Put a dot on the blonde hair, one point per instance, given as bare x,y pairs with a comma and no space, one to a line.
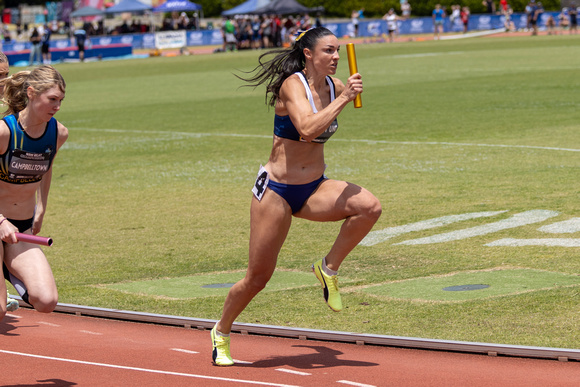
16,86
3,58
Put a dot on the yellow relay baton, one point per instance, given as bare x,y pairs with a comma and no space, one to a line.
353,70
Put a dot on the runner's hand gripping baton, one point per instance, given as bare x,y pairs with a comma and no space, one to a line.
33,239
353,70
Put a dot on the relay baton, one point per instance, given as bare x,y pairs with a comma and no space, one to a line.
353,69
33,239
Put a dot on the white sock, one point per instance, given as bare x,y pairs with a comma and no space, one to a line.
218,333
326,270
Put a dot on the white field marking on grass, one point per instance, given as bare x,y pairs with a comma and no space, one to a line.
426,54
473,34
517,220
144,369
567,226
559,242
354,383
199,135
293,372
12,315
379,236
184,351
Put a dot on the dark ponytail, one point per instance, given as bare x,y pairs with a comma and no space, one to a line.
285,63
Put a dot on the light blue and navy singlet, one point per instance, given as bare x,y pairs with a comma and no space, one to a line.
27,159
283,126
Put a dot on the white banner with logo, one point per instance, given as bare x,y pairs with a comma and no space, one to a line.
170,39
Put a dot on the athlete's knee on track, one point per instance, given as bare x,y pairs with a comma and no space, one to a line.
44,303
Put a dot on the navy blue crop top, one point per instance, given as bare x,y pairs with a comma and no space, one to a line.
27,159
283,126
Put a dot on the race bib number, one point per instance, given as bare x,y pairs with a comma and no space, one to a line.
261,183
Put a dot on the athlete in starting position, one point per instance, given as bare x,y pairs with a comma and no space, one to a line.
29,139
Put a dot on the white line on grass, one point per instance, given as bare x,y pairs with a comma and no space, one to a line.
144,369
473,34
560,242
370,142
379,236
517,220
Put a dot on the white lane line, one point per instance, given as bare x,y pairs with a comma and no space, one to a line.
517,220
355,383
145,369
293,372
91,332
184,350
48,324
199,135
559,242
242,361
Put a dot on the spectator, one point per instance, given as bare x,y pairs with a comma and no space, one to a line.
455,15
503,6
537,11
81,37
229,33
256,33
551,25
564,20
405,9
46,59
573,14
438,16
489,6
529,13
354,20
35,53
508,22
266,31
391,19
465,12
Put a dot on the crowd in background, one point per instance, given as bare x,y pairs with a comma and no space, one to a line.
264,31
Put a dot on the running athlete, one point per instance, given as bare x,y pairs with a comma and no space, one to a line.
307,100
29,139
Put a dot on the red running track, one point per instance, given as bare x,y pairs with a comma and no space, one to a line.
67,350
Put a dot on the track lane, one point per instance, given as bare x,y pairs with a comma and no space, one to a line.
65,350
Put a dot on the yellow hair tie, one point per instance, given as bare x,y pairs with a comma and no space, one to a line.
301,35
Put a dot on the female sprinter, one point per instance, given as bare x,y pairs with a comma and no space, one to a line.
307,101
29,139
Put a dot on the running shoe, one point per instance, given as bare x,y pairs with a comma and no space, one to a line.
221,349
329,286
12,304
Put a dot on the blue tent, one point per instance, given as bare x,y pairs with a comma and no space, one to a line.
128,6
246,8
87,11
282,7
177,5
